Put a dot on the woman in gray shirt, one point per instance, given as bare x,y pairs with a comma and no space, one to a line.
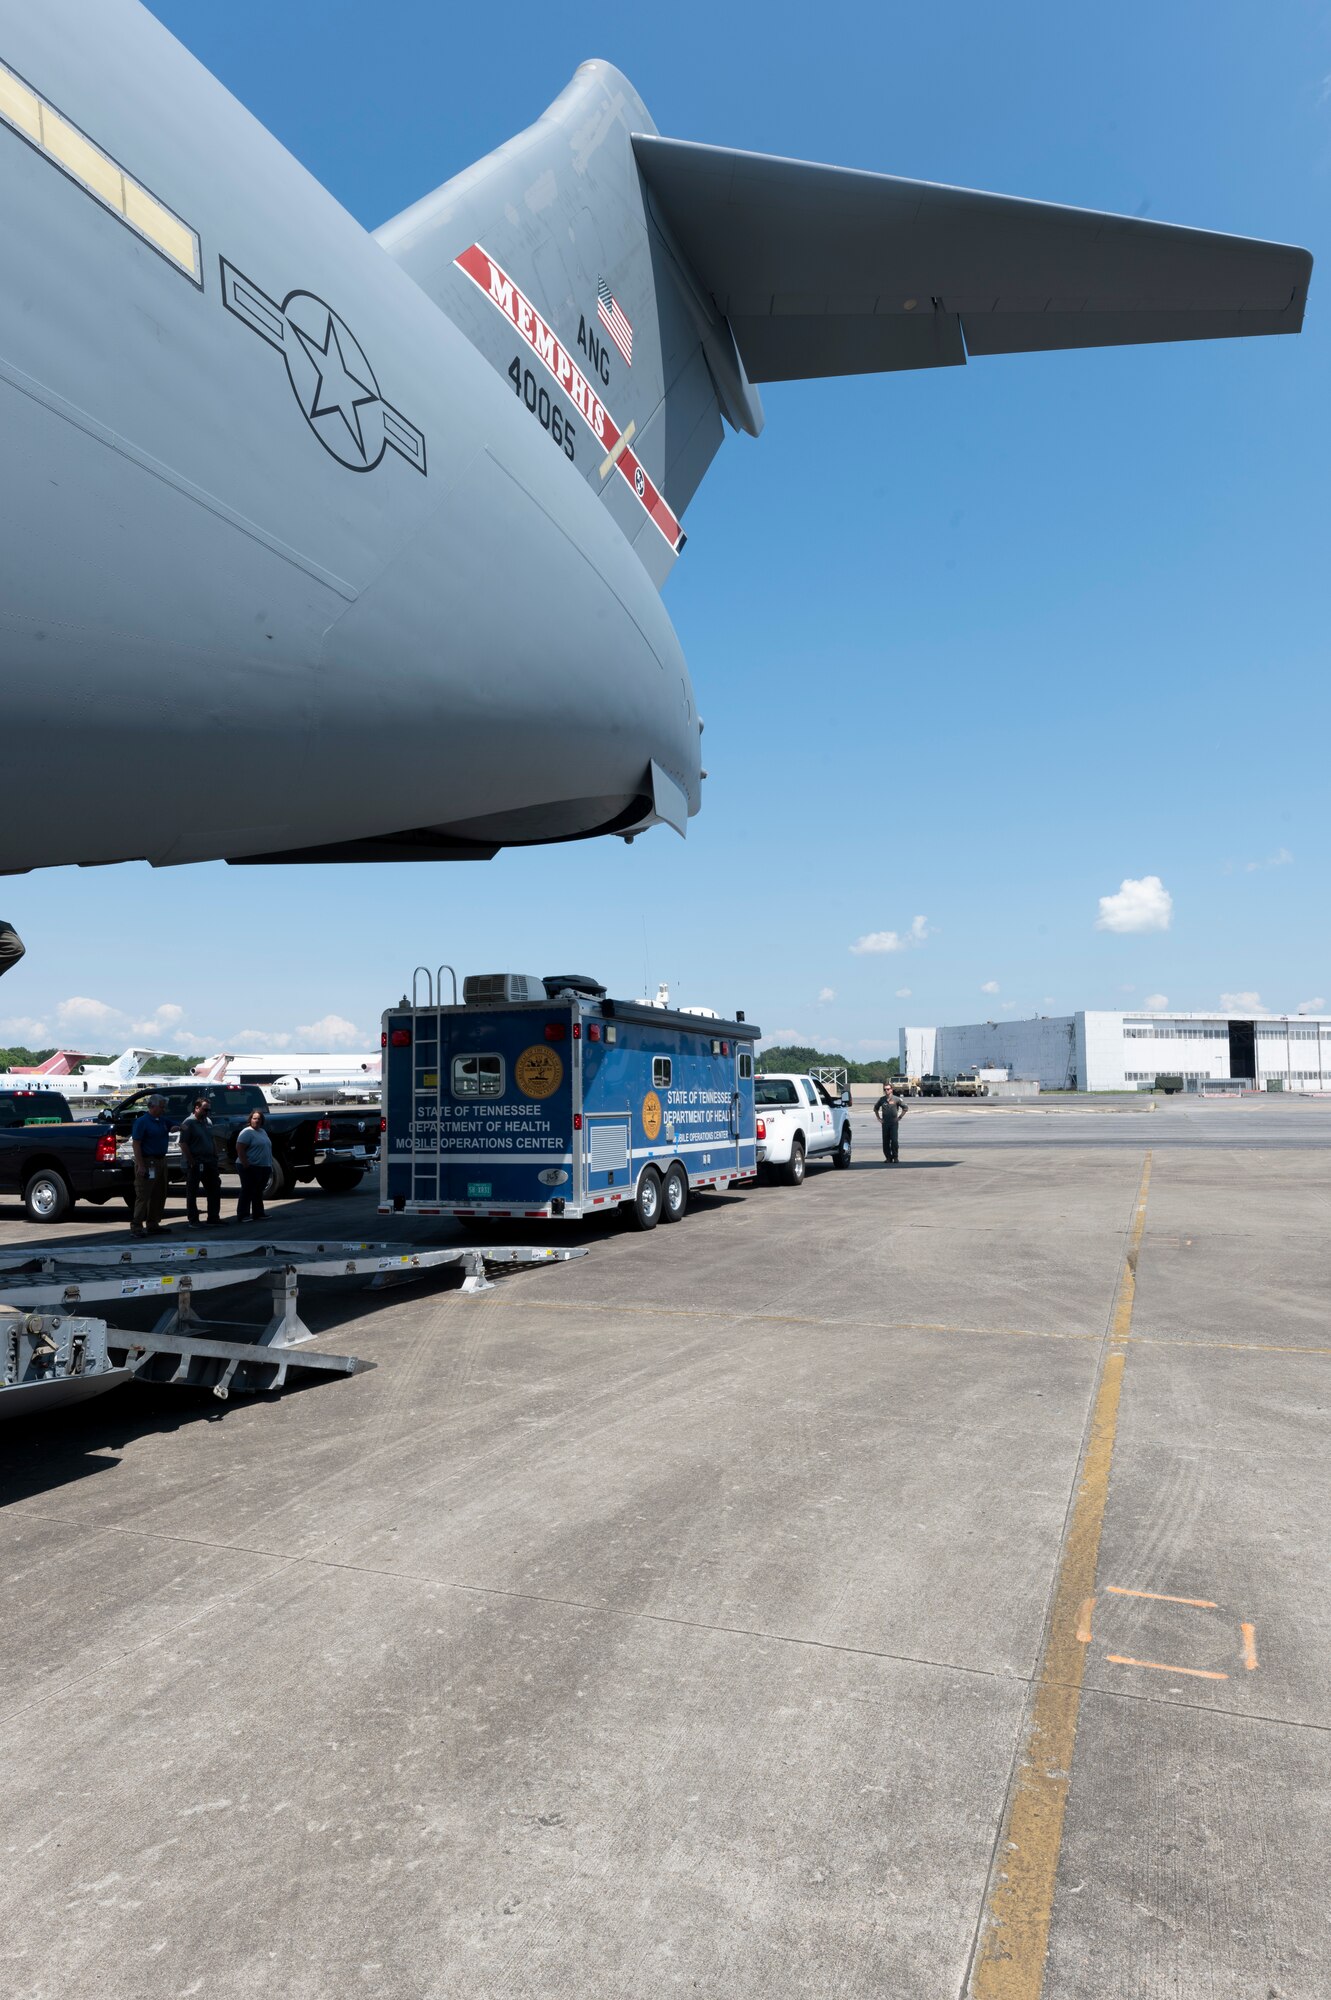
254,1161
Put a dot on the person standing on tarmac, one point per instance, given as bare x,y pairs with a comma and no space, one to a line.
254,1163
149,1138
889,1111
198,1147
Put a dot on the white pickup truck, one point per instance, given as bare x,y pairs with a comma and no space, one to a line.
799,1120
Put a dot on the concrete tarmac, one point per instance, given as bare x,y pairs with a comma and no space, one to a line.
914,1584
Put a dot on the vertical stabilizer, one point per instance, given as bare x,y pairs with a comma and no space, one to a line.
549,258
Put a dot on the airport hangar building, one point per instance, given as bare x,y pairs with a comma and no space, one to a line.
1102,1051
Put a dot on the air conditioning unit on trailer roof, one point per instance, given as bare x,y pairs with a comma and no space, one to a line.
484,989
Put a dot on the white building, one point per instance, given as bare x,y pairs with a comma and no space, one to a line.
1102,1051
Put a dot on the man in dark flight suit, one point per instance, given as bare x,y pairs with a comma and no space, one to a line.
11,947
889,1112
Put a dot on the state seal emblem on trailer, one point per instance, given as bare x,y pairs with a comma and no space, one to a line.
538,1072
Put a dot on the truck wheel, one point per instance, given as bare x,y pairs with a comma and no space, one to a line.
339,1179
793,1171
279,1180
675,1194
841,1157
644,1211
47,1198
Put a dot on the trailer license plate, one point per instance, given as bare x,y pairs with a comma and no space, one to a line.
479,1190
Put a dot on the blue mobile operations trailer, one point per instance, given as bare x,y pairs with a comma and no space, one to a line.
543,1097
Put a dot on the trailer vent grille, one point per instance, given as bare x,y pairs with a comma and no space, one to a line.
484,989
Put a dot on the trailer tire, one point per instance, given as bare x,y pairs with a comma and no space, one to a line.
644,1211
47,1196
339,1179
793,1171
841,1157
675,1195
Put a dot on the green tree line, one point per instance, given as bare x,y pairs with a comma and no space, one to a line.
798,1058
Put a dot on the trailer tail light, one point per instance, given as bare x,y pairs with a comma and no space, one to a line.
106,1150
725,1048
593,1031
383,1038
383,1126
577,1121
577,1036
401,1038
762,1128
323,1132
555,1031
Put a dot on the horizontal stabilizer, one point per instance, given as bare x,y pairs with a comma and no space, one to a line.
826,271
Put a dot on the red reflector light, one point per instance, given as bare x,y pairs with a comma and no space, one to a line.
383,1124
401,1038
383,1038
593,1031
555,1031
106,1150
323,1132
725,1048
762,1128
577,1036
577,1121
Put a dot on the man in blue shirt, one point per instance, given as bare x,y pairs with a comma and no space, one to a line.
150,1137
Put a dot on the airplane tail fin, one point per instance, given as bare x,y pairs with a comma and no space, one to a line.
213,1070
633,288
60,1064
548,257
128,1065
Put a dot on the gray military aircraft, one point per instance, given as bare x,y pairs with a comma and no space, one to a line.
349,546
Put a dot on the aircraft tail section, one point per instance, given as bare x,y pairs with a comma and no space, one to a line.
548,257
633,288
60,1064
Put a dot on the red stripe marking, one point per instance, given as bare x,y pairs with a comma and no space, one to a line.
521,314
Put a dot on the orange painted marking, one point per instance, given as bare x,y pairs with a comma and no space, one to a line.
1163,1597
1160,1666
1084,1620
1249,1645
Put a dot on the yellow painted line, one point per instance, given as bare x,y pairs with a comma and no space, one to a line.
1249,1645
1014,1940
1198,1673
1162,1597
1221,1346
786,1319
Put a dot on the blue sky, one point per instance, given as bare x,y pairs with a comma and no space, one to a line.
974,646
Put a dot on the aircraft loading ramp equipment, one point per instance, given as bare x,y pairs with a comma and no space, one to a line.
53,1354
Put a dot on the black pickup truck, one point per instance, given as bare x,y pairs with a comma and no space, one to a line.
336,1147
52,1160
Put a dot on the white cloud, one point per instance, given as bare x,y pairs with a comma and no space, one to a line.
881,941
990,986
334,1031
162,1021
1142,905
257,1038
873,1048
1155,1003
1313,1006
1280,859
1009,1006
903,993
81,1012
1241,1003
28,1033
1048,1000
826,994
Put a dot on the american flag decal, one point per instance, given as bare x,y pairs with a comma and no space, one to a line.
612,318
